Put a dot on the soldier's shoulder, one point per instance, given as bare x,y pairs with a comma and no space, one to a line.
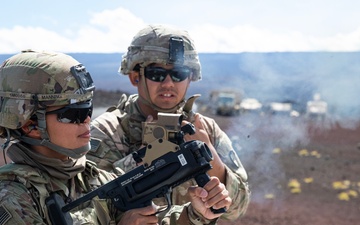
210,122
16,204
18,169
207,118
105,118
23,173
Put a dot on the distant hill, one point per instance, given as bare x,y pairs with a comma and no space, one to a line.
286,76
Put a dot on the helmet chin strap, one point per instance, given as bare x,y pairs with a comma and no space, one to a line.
45,141
73,153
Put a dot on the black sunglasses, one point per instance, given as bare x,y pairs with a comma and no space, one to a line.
74,113
158,74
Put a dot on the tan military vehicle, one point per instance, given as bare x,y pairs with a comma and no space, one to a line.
225,103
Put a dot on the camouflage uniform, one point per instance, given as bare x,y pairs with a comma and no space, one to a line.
121,133
30,82
24,188
120,128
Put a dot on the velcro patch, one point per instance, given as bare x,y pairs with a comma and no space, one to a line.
95,143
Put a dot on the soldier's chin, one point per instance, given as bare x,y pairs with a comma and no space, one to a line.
166,105
167,108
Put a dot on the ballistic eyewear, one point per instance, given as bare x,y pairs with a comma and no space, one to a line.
74,113
158,74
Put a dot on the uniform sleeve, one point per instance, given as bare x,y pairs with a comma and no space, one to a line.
240,194
107,146
184,214
16,205
236,176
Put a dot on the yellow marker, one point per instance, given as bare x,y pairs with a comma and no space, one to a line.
308,180
293,183
303,152
341,185
269,196
276,151
343,196
315,154
352,193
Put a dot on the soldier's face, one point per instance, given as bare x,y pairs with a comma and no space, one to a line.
67,135
167,93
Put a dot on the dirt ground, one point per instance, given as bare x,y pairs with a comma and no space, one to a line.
300,171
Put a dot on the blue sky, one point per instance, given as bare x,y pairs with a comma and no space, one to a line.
216,26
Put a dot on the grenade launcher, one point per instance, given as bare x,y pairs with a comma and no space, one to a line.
167,161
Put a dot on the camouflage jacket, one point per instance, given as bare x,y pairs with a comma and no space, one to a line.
120,132
24,189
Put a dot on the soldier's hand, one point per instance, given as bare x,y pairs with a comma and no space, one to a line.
214,194
202,135
140,216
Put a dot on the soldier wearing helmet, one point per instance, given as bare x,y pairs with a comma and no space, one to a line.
45,111
161,61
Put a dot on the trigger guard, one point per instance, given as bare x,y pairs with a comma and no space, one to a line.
167,195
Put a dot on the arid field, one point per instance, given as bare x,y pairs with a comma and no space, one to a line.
312,178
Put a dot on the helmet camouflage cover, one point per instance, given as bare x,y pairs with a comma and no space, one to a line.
32,80
157,44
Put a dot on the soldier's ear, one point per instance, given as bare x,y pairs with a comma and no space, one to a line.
134,78
30,129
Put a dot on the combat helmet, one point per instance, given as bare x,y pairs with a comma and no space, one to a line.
164,45
31,81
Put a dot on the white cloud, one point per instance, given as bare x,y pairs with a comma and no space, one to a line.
18,38
247,38
112,31
341,42
107,31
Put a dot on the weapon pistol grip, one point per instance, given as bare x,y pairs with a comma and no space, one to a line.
201,180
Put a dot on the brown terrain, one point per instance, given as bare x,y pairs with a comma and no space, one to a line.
300,171
294,182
